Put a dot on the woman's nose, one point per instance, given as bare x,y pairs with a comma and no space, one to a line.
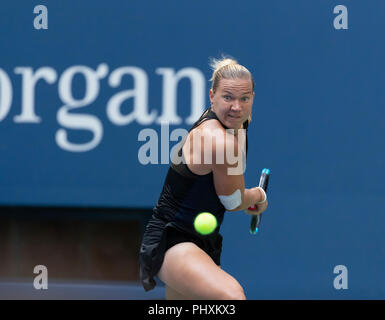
236,105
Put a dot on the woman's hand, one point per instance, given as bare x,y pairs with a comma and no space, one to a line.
259,209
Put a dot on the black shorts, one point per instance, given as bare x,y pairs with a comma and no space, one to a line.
159,237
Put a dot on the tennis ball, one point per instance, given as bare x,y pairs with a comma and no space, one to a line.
205,223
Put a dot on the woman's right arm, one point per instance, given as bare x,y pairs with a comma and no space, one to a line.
230,187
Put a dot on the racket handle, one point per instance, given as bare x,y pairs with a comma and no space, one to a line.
256,219
254,224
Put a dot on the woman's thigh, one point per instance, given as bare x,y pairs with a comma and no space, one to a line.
190,271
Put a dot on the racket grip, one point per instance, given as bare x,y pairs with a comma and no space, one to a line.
254,225
256,219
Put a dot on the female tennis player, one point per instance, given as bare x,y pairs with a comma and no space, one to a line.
187,262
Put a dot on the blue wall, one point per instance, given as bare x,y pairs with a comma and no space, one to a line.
318,124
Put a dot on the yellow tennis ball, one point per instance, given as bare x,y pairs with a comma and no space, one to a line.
205,223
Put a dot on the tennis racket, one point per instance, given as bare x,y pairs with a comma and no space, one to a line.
256,219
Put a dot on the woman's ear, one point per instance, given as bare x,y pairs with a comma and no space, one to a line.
211,95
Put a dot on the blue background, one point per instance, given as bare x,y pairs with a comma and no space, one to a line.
318,124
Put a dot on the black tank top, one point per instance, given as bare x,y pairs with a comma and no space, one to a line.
185,194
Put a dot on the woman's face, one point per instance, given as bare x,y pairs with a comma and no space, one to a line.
232,101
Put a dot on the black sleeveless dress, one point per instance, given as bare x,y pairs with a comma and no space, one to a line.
184,195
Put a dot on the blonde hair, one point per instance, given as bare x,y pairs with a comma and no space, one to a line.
228,68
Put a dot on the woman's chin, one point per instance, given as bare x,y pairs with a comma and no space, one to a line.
234,123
